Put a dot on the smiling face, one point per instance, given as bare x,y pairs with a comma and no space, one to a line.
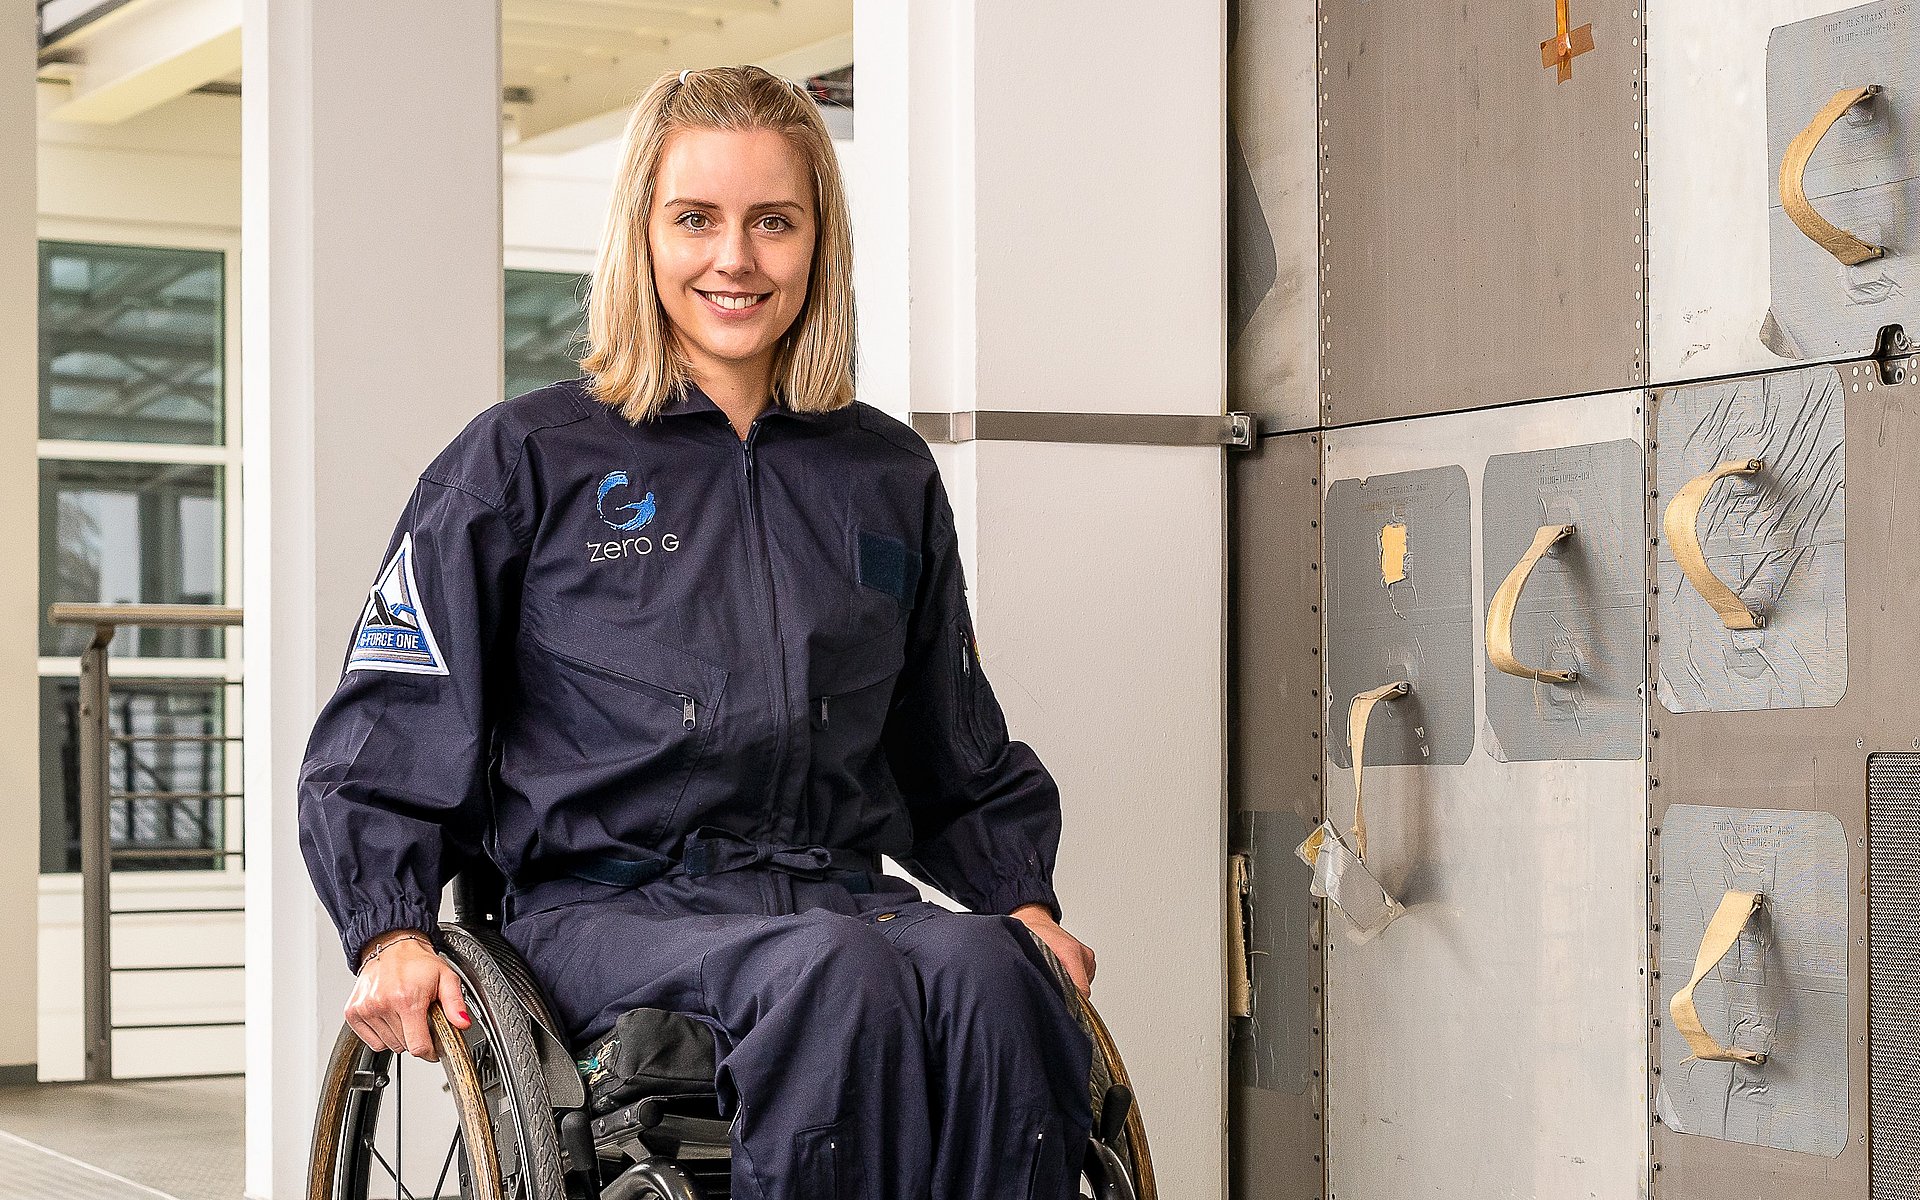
731,232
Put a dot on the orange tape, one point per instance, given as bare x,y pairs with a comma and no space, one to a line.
1565,45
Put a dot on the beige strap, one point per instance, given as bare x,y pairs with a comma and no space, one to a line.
1500,612
1736,909
1358,713
1682,526
1566,44
1239,970
1793,181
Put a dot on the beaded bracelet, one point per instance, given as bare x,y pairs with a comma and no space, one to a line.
382,948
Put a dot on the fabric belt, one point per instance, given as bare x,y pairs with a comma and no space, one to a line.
705,851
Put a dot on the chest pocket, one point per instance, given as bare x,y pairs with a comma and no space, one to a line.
851,691
613,715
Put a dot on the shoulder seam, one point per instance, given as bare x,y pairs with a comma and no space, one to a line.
913,444
496,507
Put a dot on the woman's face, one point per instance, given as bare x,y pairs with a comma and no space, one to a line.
732,233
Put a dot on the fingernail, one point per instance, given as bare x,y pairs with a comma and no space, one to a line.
464,1018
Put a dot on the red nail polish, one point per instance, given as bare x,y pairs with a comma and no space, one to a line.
464,1017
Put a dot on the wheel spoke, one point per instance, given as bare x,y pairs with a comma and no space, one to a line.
453,1148
398,1183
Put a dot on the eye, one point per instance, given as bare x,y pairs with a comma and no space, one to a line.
782,227
696,215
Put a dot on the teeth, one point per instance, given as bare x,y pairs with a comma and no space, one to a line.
733,302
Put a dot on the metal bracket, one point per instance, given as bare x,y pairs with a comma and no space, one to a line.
1893,352
1238,430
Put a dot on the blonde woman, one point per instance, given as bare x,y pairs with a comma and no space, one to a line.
684,648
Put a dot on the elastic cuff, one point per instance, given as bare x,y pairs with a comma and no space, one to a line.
371,922
1024,892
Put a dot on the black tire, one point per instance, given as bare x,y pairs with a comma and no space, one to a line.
507,1145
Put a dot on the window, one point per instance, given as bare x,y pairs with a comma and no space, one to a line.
139,505
546,321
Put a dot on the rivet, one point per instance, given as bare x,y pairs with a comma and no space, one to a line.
886,916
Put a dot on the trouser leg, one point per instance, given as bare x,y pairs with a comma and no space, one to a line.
1008,1064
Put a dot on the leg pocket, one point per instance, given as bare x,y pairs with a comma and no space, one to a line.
1052,1173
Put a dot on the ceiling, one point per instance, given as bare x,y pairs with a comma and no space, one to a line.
569,67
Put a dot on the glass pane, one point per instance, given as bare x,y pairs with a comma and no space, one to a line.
131,343
131,533
163,786
546,313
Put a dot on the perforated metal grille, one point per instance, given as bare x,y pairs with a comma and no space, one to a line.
1893,917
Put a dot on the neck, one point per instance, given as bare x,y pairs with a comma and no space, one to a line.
742,390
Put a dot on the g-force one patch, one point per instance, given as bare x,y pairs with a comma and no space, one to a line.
394,634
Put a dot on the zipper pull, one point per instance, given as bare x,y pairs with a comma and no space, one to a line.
823,712
686,711
966,665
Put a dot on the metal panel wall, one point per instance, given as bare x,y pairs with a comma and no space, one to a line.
1481,233
1807,760
1491,1041
1272,214
1274,785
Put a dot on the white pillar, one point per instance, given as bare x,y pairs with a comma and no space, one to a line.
1065,213
372,326
20,596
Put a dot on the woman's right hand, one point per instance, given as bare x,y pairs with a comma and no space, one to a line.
400,978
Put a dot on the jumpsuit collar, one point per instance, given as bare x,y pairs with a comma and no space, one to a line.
690,398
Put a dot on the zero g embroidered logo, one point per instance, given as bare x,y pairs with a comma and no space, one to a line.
642,512
394,634
630,518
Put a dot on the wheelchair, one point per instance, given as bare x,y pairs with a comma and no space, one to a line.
528,1119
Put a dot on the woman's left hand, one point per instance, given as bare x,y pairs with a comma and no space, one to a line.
1073,955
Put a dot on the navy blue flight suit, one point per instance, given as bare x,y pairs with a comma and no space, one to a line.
683,689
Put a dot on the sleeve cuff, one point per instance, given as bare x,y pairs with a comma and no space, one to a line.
371,922
1017,895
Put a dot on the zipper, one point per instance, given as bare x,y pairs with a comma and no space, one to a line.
773,621
823,711
688,709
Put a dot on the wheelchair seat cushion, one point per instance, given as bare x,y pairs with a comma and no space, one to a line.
651,1052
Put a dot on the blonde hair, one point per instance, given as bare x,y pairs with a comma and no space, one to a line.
631,363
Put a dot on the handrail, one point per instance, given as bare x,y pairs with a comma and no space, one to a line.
96,851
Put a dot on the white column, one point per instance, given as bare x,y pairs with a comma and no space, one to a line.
20,596
372,327
1065,213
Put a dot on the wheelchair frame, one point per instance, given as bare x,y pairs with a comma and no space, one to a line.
525,1128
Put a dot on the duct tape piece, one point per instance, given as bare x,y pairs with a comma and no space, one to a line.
1340,872
1580,612
1843,97
1275,1049
1418,627
1774,986
1776,538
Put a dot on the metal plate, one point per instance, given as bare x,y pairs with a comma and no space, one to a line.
1708,189
1481,220
1812,759
1781,990
1272,214
1274,784
1864,177
1778,538
1583,608
1415,626
1492,1041
1893,1026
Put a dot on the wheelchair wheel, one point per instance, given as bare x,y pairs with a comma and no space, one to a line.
487,1134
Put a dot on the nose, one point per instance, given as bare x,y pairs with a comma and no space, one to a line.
735,255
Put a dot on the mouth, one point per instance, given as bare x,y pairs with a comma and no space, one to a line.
734,304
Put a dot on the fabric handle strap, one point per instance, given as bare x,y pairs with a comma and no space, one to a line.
1500,612
1358,713
1793,181
1736,909
1682,527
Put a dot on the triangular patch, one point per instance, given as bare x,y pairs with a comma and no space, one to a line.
394,634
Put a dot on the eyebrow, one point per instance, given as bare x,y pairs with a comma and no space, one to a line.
750,208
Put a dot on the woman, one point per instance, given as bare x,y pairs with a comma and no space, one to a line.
684,648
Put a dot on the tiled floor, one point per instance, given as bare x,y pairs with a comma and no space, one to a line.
177,1139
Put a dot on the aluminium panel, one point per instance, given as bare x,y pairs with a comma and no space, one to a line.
1893,1027
1810,760
1481,218
1492,1040
1273,782
1712,185
1273,362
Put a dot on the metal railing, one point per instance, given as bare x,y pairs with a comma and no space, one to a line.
97,852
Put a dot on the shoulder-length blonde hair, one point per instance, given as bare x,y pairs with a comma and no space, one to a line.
631,363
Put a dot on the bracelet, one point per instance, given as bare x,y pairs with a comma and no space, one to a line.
382,948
